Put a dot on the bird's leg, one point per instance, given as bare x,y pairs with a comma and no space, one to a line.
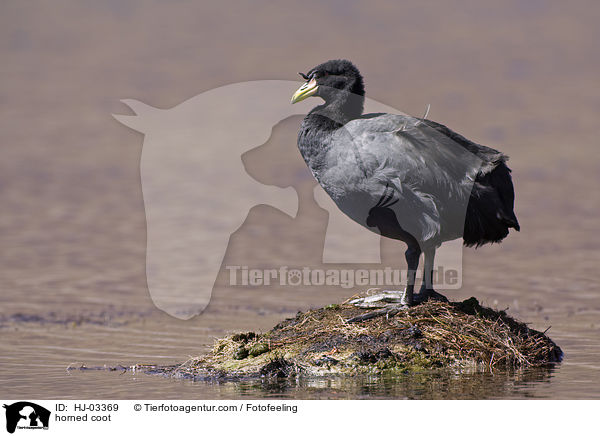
412,260
427,292
428,260
391,302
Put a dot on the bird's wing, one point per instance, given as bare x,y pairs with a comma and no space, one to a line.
422,157
489,156
430,173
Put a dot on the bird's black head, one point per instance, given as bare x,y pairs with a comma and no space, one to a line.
335,81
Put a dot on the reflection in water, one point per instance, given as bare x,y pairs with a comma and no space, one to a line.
432,385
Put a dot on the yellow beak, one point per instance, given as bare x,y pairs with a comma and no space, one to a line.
305,91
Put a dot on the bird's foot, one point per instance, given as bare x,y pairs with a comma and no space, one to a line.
387,303
382,299
387,311
428,294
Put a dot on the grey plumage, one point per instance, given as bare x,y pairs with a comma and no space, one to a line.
405,178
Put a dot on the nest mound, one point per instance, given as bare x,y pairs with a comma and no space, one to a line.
324,342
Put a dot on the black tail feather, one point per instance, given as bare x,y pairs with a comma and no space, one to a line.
490,212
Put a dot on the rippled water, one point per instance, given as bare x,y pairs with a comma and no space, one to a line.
72,226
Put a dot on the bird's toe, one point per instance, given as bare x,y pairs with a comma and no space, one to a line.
382,299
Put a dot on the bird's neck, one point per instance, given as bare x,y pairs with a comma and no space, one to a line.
343,107
322,122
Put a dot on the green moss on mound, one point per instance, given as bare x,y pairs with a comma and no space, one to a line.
323,342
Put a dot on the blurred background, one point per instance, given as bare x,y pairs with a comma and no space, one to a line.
520,76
